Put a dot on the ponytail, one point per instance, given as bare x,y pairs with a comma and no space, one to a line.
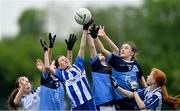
11,104
174,101
160,78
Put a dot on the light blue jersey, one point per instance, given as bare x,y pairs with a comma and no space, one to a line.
124,72
102,87
77,86
52,93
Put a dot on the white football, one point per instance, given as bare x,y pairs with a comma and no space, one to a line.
82,16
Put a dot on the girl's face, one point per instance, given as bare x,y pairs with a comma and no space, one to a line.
126,52
25,81
150,79
63,62
101,57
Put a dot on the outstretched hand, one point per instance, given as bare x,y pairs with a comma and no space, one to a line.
134,85
101,32
86,26
94,31
113,81
70,43
43,44
22,83
39,65
51,40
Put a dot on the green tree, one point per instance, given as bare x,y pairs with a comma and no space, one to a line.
32,22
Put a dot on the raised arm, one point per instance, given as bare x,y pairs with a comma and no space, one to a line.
51,45
70,43
83,44
101,48
92,47
17,99
99,45
83,38
102,34
143,82
46,57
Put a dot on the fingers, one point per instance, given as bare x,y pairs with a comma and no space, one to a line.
41,41
66,41
54,37
39,61
102,27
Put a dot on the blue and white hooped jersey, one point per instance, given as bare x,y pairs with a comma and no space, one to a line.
124,72
152,100
52,93
77,86
102,87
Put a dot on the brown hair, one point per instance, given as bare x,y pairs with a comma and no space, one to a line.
160,78
56,61
133,48
11,104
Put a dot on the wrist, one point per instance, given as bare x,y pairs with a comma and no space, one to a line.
104,36
134,90
116,86
84,30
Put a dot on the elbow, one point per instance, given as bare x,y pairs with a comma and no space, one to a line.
82,47
142,107
47,67
16,103
130,96
102,50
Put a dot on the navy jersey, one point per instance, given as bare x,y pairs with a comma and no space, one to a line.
77,86
52,93
124,71
102,87
152,100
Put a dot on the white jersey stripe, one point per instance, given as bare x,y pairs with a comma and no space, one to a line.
85,89
78,93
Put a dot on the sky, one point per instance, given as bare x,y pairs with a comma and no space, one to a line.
10,10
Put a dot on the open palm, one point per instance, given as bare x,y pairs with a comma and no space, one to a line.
101,32
39,64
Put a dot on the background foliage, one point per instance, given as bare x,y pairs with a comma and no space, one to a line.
154,27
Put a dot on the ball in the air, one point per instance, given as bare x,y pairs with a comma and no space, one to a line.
82,16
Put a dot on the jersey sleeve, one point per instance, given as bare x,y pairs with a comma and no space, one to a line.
109,58
38,90
141,93
95,64
152,102
79,62
31,102
58,73
114,61
27,103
